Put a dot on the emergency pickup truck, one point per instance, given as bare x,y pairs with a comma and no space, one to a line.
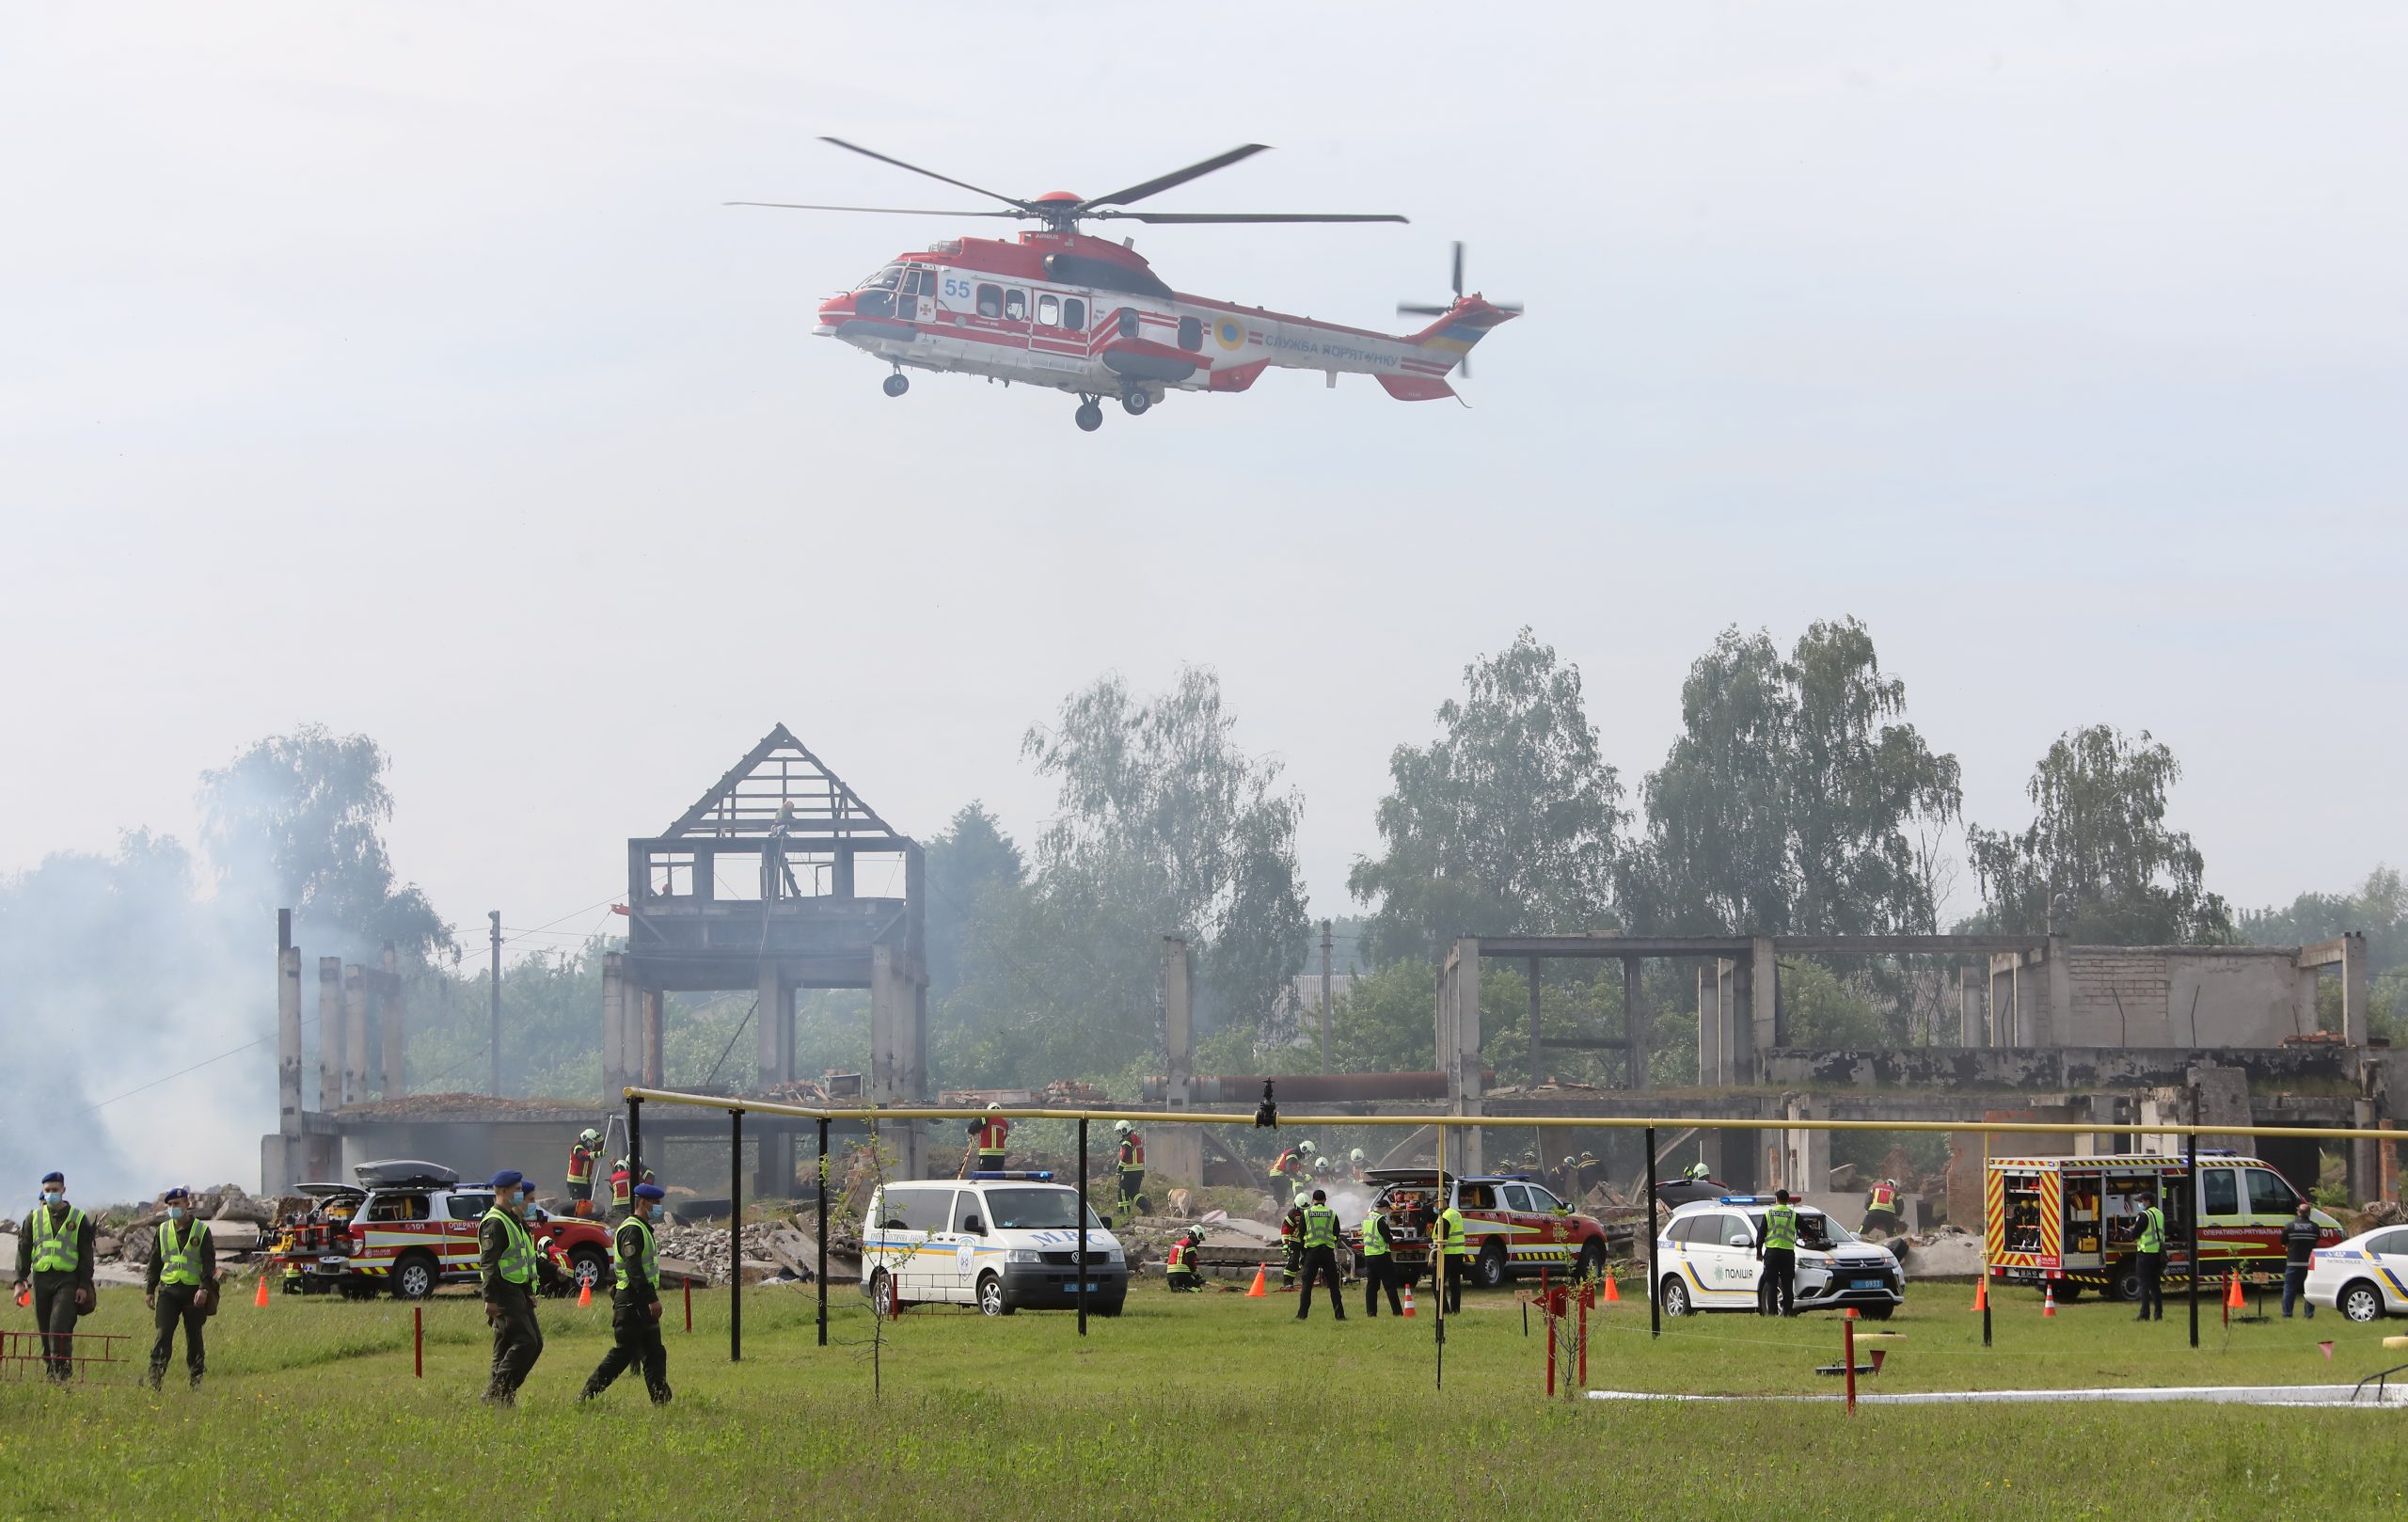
2072,1222
411,1227
1515,1227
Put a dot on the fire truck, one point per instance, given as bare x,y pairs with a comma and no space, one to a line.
2072,1222
410,1227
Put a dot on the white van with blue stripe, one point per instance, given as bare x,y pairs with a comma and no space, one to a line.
1001,1241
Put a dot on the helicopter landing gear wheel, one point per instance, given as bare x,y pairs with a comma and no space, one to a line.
1134,401
1089,416
898,384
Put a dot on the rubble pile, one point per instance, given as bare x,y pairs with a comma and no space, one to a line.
774,1252
472,1107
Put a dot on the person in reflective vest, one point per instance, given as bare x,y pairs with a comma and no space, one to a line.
1777,1250
55,1252
1379,1263
1132,1166
2148,1250
1881,1208
581,1155
1321,1255
1455,1256
635,1307
990,1137
1292,1244
506,1265
623,1185
1181,1272
180,1287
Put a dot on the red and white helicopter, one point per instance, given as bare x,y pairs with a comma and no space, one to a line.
1089,316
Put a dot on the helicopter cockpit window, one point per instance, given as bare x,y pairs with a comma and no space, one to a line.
1074,315
1015,306
885,279
1049,311
991,301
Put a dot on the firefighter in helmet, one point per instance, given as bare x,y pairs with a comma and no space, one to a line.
581,1155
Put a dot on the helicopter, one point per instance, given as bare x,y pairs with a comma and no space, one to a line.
1060,308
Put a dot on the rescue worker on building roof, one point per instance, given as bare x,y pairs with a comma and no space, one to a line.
2148,1257
1182,1272
990,1137
635,1307
506,1265
581,1155
1881,1208
1321,1255
180,1286
1379,1263
1777,1250
1133,1167
55,1253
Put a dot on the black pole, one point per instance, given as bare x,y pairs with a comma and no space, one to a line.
1082,1226
2191,1199
635,1141
736,1236
1654,1254
823,1230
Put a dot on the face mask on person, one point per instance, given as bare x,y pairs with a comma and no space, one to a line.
175,1213
54,1196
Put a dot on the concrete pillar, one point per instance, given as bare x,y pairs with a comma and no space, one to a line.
614,1017
1709,1023
1970,1011
2367,1178
1738,1023
1538,1042
330,1033
766,1018
2304,1000
1176,1152
2353,987
898,1042
1763,1011
1461,1057
1637,1021
2055,1014
287,1041
354,1034
655,1039
390,1021
1805,1155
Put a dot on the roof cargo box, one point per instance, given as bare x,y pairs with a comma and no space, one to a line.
403,1173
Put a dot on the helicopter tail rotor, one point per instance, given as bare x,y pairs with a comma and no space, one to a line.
1461,323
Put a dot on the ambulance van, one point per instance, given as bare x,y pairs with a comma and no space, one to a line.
1001,1241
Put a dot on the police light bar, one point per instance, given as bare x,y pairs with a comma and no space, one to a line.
1040,1175
1745,1200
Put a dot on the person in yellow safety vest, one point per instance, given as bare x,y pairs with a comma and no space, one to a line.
55,1251
2148,1247
581,1155
1133,1167
180,1287
989,1140
1777,1250
1182,1273
635,1308
1379,1263
1881,1208
1292,1244
506,1263
1321,1255
1454,1254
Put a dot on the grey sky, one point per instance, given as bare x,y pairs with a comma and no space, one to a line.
397,367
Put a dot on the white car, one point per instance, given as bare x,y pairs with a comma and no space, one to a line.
1708,1248
2365,1278
998,1241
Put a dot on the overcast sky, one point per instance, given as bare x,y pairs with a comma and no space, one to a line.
399,368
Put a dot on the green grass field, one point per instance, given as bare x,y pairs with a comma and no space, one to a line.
1210,1404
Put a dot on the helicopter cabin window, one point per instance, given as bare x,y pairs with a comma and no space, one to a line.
1015,306
1191,332
1049,311
1128,322
1074,315
991,301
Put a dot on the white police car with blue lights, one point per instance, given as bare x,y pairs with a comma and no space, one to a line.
1707,1252
2365,1278
1001,1241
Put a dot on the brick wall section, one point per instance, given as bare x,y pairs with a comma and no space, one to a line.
2101,975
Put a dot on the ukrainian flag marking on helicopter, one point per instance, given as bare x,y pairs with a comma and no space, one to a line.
1229,333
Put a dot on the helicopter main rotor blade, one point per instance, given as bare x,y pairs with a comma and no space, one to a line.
1176,177
957,185
1251,216
889,211
1412,309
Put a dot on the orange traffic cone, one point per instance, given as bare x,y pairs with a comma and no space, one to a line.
1408,1302
2049,1300
1256,1292
584,1293
1981,1294
2232,1292
260,1298
1613,1296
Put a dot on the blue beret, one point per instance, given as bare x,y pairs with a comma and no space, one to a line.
175,1192
54,1176
651,1191
507,1178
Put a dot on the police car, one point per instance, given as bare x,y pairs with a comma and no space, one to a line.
1708,1252
2365,1278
